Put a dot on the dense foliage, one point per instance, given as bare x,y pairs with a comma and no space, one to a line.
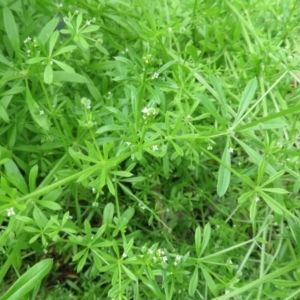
149,149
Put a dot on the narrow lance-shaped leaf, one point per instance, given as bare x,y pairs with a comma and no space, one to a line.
28,280
256,157
193,283
221,96
247,96
206,237
40,119
209,280
224,172
198,240
11,29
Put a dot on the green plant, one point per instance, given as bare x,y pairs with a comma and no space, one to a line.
149,148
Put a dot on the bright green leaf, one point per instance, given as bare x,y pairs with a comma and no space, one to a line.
28,280
193,282
11,29
224,173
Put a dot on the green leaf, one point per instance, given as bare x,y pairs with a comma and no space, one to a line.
34,60
273,177
270,124
198,237
3,113
166,66
244,197
48,74
87,229
34,110
128,247
253,210
247,96
64,50
210,282
206,237
28,280
82,262
193,283
208,104
83,43
221,96
15,177
261,171
292,110
193,52
178,149
112,128
129,273
90,28
64,66
52,42
39,217
127,215
256,157
49,204
275,191
273,204
108,213
47,30
78,21
53,195
32,177
224,173
121,173
4,61
62,76
110,185
11,29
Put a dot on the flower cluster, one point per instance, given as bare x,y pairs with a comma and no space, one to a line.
86,102
155,75
147,59
10,212
148,112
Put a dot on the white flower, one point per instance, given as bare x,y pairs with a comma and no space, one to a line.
93,190
189,117
124,255
170,29
10,212
128,143
150,251
160,252
42,112
95,204
88,23
257,199
86,102
165,258
27,39
230,150
154,148
209,147
145,110
155,75
178,258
